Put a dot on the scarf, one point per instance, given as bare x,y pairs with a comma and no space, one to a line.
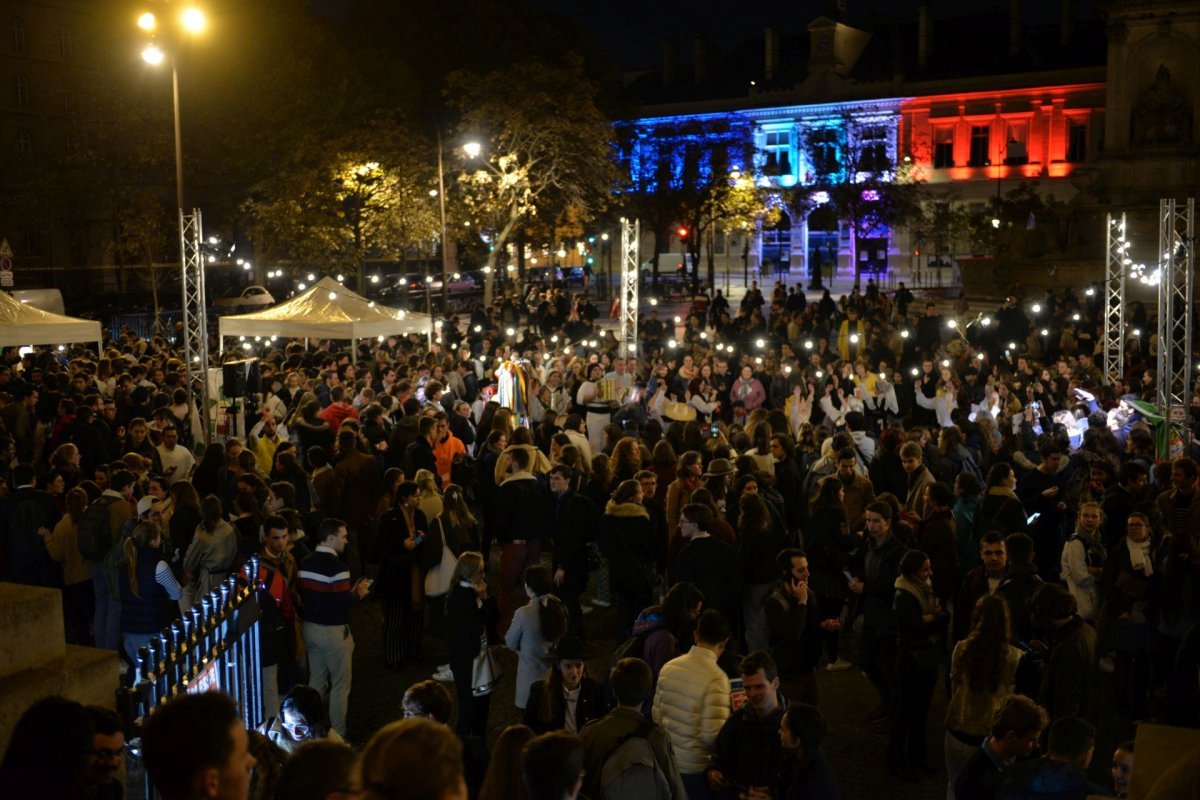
922,591
1003,491
1139,556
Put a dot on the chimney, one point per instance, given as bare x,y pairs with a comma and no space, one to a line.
670,62
1014,27
1066,23
924,34
770,53
699,59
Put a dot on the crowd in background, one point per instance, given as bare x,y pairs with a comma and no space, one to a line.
948,501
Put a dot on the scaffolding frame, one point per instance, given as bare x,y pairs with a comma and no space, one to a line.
1116,265
1176,237
195,318
630,239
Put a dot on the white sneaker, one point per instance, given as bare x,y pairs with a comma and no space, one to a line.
444,675
584,608
838,666
1107,665
596,601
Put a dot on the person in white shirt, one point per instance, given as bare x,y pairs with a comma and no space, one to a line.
1082,561
177,462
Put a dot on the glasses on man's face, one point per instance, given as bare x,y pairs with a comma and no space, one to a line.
299,729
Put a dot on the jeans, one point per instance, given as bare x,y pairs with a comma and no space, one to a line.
697,786
878,660
330,651
107,622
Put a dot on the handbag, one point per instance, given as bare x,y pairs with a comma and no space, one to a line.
485,671
438,578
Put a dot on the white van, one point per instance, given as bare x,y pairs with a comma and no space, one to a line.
46,299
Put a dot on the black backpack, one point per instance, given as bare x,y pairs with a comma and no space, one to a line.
93,531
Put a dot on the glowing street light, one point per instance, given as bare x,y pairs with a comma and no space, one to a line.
193,20
147,22
152,55
472,149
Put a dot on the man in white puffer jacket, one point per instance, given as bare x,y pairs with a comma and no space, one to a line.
692,701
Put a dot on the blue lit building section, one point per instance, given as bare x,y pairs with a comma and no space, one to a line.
790,147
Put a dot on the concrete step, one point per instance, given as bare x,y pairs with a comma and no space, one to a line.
31,628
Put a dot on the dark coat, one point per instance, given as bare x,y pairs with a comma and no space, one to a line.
794,632
631,544
712,566
878,568
590,706
522,509
748,751
468,622
25,511
358,481
1069,676
419,455
937,538
1018,586
574,527
396,562
979,778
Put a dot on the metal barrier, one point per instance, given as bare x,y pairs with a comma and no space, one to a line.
212,647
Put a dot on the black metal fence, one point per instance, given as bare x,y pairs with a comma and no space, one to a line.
212,647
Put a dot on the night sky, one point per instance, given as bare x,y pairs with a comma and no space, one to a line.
630,30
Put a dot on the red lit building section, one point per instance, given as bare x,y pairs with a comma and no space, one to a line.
1014,134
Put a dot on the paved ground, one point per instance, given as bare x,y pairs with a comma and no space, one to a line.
846,698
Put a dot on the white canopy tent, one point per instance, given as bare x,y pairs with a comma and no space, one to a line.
328,310
23,324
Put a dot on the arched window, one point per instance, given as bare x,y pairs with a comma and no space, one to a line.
18,35
21,85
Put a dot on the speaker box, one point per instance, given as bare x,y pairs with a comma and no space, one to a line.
241,378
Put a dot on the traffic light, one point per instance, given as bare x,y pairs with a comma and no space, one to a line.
683,232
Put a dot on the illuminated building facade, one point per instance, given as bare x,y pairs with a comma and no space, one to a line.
1094,115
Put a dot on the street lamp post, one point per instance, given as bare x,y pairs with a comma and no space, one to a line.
472,150
191,257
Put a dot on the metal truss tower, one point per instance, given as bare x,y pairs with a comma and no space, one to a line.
195,318
630,239
1116,265
1176,238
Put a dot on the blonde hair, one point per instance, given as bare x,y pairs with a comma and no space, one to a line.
468,566
426,483
143,534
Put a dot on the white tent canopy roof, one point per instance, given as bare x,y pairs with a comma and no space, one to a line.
22,324
328,310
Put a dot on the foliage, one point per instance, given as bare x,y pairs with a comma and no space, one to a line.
546,150
699,173
364,194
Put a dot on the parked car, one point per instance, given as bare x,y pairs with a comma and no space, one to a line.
251,296
410,287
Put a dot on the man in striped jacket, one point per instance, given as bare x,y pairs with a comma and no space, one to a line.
327,594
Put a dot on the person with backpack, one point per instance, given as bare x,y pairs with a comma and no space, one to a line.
625,755
1000,509
98,534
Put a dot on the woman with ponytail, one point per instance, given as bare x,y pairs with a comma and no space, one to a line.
147,588
534,630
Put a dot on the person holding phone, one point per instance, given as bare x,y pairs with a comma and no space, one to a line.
401,555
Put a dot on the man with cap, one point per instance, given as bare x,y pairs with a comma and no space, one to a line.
566,699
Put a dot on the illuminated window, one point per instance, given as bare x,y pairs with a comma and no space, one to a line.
1017,149
18,35
824,147
943,148
1076,141
980,142
778,151
873,149
21,85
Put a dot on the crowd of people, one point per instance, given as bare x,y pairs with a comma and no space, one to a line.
946,501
